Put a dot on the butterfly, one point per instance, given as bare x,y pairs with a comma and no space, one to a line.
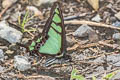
52,41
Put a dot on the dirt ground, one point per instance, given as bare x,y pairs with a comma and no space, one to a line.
96,53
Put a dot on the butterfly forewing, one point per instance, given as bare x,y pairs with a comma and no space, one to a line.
53,36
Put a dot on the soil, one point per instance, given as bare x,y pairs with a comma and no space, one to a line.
96,57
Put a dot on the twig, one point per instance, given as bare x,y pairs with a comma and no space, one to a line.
109,45
85,62
98,56
3,11
81,46
95,24
40,77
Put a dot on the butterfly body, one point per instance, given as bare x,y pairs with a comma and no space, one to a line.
53,40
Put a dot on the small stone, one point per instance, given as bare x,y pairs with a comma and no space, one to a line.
100,60
8,33
116,36
117,15
80,57
100,68
96,18
82,31
69,41
35,11
86,31
117,24
7,3
114,59
1,68
93,37
1,55
21,63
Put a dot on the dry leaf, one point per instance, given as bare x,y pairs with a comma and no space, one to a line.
94,4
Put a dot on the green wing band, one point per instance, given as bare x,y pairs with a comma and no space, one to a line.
56,10
56,18
53,44
58,28
31,47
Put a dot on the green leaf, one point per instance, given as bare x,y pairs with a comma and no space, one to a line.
75,76
111,75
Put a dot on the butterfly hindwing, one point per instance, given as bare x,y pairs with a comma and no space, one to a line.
52,41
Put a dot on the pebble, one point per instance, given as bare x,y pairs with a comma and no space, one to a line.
82,31
70,41
21,63
96,18
100,60
117,24
1,68
116,36
117,15
93,37
1,55
114,59
35,11
7,3
8,33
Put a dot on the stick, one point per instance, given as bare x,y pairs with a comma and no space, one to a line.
3,11
95,24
